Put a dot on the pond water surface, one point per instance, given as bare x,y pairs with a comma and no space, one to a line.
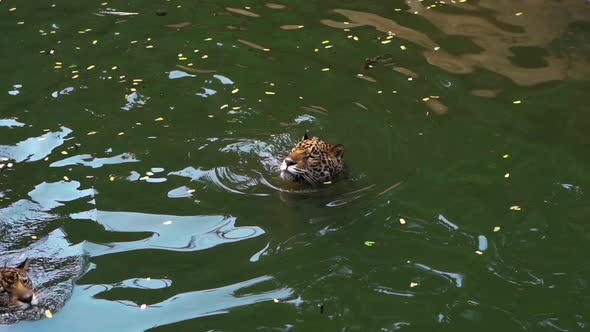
140,141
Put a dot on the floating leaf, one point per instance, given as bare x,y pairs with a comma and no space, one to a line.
497,229
159,119
369,243
235,90
402,221
516,102
413,284
178,25
241,12
505,156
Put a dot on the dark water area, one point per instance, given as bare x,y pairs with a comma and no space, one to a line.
140,144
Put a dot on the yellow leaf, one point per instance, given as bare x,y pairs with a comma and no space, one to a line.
235,90
48,314
159,119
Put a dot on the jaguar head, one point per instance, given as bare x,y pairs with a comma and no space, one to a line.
16,283
313,161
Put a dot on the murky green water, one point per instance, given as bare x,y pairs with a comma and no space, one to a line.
140,156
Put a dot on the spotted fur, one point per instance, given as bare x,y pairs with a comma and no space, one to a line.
15,283
313,161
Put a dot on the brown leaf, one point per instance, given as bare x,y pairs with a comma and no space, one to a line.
179,25
196,70
241,12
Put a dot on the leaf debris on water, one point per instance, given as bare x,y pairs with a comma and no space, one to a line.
159,119
413,284
111,178
507,175
269,92
403,47
92,133
479,252
497,229
369,243
325,69
235,90
402,221
515,208
505,156
48,313
516,102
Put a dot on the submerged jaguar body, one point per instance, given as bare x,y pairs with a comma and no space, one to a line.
15,282
313,161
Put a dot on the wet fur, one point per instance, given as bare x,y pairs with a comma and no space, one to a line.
16,285
313,161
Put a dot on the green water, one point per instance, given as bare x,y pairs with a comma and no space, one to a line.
144,185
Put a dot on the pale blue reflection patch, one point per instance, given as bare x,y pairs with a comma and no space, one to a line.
168,232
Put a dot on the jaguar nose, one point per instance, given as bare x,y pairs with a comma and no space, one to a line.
26,299
290,162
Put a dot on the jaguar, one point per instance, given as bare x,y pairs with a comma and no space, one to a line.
15,282
313,161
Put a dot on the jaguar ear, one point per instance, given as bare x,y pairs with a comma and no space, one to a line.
338,150
306,136
24,265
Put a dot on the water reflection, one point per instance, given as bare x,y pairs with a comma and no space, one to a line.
35,148
168,232
85,312
511,25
